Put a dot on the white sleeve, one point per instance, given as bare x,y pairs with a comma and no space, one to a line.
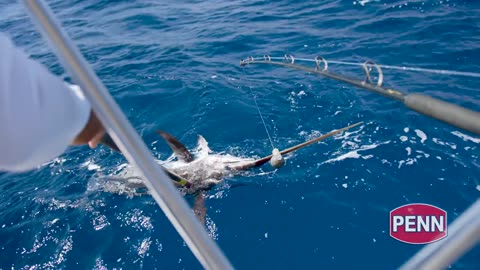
40,114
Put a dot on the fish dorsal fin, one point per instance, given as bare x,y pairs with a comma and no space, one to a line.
177,147
203,148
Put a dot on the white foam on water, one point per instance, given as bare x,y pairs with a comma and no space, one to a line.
421,134
100,265
342,136
54,162
364,2
426,155
293,101
439,142
409,161
354,134
465,137
122,166
144,246
400,163
354,153
91,166
100,222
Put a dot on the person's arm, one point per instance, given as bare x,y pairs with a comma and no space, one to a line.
40,114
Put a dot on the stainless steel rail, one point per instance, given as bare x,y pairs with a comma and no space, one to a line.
132,146
463,234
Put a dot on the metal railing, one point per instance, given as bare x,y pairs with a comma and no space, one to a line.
160,186
464,232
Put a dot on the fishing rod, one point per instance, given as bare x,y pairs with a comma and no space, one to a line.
444,111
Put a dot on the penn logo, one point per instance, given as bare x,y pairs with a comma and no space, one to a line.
418,223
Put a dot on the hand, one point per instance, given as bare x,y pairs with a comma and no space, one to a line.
92,133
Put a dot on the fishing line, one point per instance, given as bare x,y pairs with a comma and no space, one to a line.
427,70
261,115
404,68
276,159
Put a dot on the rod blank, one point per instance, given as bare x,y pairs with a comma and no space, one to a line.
444,111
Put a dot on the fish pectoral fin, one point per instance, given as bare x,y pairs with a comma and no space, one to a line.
199,207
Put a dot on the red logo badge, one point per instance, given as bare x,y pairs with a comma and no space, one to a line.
418,223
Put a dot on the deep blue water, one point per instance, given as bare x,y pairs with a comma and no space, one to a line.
175,66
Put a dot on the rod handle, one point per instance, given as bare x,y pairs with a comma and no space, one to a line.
444,111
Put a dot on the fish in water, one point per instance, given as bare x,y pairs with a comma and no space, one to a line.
200,172
206,169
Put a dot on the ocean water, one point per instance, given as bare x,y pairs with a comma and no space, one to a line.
174,65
